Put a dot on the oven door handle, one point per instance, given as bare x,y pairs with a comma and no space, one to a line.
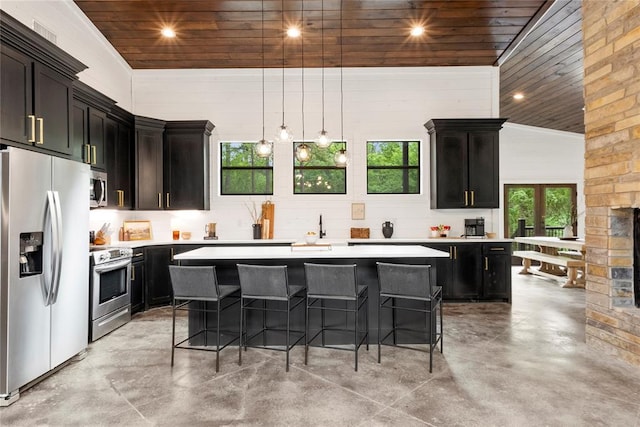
115,265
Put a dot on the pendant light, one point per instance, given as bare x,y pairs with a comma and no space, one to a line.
303,152
323,140
263,148
341,159
284,133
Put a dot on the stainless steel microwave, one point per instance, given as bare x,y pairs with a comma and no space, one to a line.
97,189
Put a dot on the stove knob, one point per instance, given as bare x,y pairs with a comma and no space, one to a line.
104,257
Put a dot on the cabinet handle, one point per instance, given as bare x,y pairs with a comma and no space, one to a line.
32,136
168,205
133,274
450,252
41,121
87,157
486,263
120,198
473,198
172,254
466,198
159,200
95,156
455,252
497,249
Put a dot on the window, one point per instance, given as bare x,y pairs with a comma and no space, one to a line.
242,172
393,167
320,175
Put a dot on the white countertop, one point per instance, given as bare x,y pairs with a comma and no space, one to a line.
335,242
287,252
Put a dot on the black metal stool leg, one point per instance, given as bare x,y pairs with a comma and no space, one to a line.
240,341
393,321
306,332
355,333
217,336
379,323
173,331
288,330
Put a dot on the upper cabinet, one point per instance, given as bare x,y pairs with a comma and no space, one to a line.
89,117
148,163
464,163
186,164
36,86
119,153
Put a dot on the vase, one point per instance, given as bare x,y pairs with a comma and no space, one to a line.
567,231
387,229
257,231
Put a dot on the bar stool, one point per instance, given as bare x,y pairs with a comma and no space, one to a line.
265,284
195,289
409,283
336,283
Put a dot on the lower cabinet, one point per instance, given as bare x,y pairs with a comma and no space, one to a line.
474,271
137,281
157,260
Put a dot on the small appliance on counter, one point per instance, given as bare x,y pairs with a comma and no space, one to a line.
210,231
474,228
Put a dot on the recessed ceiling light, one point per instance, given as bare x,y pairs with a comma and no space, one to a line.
293,32
417,30
168,32
518,96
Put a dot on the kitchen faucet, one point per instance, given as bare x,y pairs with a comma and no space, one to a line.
322,233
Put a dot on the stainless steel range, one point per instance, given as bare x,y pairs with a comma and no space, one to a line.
110,290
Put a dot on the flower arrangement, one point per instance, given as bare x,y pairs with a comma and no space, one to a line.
253,211
440,230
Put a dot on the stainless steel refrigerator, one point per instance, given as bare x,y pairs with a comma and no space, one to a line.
44,272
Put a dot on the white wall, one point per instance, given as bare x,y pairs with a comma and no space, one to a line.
108,72
379,103
532,155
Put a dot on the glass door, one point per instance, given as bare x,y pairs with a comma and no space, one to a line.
539,210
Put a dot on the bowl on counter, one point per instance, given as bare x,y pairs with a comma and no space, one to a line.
491,235
186,235
311,238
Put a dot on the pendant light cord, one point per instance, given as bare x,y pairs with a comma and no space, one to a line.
322,50
302,62
341,91
283,40
262,4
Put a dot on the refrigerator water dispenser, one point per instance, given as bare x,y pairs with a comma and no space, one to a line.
30,254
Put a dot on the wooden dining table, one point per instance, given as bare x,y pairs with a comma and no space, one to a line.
560,249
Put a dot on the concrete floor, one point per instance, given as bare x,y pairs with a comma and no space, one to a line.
519,365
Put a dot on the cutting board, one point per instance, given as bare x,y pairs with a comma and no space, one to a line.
268,212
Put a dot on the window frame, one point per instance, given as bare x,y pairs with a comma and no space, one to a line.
243,168
312,168
406,168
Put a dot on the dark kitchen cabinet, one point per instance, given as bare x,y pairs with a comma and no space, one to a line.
464,163
36,86
158,283
148,161
186,164
89,134
119,153
138,282
461,273
496,271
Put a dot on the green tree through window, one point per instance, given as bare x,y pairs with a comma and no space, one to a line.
242,172
319,175
393,167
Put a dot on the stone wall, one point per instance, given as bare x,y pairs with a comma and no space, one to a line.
611,32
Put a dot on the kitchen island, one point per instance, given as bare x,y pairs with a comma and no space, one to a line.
294,257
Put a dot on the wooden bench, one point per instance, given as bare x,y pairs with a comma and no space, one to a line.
571,264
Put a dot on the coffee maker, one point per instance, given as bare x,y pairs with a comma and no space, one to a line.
474,227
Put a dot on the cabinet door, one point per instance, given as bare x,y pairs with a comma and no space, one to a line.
137,286
186,171
451,166
467,271
157,260
497,277
80,132
123,161
97,123
149,170
483,169
52,97
16,99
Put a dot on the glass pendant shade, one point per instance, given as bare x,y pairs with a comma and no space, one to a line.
323,140
284,134
341,159
303,153
263,148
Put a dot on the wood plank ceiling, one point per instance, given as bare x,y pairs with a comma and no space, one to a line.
363,33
